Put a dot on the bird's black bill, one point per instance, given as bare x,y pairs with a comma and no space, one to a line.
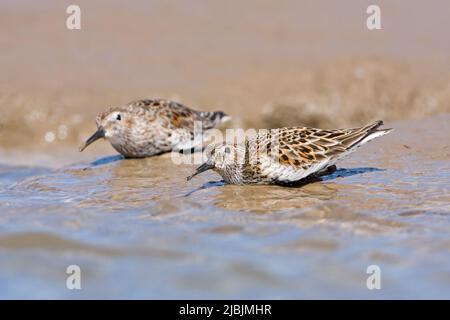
204,167
100,133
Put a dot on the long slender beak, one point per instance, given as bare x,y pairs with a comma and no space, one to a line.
100,133
204,167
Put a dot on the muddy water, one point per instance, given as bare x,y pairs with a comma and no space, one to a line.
137,229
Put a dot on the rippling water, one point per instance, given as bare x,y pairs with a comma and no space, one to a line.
138,229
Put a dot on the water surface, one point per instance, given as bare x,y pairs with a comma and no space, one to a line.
138,229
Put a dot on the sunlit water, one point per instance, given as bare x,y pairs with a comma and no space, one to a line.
138,229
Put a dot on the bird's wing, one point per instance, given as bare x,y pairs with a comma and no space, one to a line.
169,114
174,115
299,152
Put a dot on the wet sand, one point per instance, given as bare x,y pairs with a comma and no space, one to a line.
137,229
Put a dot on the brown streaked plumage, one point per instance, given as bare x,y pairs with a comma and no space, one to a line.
286,155
144,128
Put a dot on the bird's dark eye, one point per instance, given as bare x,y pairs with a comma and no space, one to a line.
227,150
119,117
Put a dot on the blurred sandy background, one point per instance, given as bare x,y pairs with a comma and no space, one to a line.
267,63
138,229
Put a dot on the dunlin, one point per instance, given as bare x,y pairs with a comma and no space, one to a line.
286,155
145,128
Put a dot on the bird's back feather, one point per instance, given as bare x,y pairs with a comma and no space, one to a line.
291,154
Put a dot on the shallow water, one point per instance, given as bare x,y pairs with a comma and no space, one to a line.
138,229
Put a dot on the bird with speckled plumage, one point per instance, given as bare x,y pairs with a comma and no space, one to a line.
145,128
286,156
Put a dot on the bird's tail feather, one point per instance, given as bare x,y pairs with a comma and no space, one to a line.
366,134
213,119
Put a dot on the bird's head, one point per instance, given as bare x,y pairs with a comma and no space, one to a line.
221,157
111,125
